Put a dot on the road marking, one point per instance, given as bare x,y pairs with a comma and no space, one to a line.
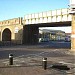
62,62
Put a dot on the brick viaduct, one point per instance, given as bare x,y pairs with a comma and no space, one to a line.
25,31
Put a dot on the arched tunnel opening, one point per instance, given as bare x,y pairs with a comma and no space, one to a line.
6,35
31,32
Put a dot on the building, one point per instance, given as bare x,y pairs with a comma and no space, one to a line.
51,35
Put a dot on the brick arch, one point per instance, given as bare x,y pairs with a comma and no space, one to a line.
6,34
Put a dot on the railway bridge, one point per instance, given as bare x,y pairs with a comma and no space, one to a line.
26,31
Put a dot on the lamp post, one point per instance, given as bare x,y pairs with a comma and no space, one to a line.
72,12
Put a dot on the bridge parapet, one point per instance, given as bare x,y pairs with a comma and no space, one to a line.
14,21
48,16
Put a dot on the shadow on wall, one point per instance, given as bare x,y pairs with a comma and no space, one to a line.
19,36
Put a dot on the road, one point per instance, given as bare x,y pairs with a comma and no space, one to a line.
34,49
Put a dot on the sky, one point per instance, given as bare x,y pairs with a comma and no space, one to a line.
19,8
65,29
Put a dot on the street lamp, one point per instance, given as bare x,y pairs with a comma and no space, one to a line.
72,7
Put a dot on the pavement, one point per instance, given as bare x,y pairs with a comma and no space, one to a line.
28,60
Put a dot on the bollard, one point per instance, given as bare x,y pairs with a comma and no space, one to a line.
44,63
10,59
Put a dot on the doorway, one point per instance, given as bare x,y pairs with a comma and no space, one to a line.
6,35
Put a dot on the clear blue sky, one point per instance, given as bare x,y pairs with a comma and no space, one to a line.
18,8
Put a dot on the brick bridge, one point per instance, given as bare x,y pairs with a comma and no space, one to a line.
26,30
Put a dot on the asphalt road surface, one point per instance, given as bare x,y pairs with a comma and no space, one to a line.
35,49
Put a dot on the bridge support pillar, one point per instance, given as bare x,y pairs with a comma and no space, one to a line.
73,33
30,34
